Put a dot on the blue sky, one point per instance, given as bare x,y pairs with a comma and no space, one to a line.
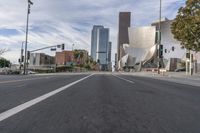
67,21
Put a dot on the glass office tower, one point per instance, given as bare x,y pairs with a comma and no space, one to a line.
99,45
94,41
102,45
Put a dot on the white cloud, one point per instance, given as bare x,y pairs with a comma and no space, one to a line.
65,21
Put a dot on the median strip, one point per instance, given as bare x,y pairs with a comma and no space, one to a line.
30,103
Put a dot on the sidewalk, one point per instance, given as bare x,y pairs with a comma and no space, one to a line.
178,77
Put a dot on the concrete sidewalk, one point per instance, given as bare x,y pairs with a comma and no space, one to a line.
178,77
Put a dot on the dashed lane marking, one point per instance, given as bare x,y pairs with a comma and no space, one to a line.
124,79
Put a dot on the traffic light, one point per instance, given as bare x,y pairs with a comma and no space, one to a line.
160,51
22,59
28,55
63,46
173,48
165,50
187,55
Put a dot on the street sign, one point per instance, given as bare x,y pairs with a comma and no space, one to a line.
53,49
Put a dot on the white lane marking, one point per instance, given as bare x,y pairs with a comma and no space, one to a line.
124,79
30,103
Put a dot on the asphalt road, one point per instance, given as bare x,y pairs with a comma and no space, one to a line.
99,103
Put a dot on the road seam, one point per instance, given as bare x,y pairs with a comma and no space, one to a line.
21,80
124,79
32,102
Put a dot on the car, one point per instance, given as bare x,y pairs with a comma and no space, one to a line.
180,70
31,72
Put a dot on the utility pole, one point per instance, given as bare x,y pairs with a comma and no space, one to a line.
25,59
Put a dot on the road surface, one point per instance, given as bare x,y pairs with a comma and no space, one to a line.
97,103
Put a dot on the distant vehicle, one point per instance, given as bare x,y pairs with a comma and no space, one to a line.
31,72
180,70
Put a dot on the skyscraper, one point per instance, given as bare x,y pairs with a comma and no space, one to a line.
94,40
109,56
116,60
124,24
109,51
102,45
99,45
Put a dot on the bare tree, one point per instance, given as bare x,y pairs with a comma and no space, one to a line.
3,51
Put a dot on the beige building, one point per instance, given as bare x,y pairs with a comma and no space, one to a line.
41,60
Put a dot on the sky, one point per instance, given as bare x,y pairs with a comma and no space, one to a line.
54,22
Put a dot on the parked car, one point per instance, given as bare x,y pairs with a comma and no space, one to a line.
31,72
180,70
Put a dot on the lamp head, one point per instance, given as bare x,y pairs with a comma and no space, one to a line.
30,2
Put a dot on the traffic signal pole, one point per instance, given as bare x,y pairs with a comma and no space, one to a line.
62,46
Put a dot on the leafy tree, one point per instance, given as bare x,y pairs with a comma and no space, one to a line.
88,67
4,63
81,54
94,63
91,60
186,26
76,54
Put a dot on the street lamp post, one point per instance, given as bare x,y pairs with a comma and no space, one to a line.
28,12
73,47
159,37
